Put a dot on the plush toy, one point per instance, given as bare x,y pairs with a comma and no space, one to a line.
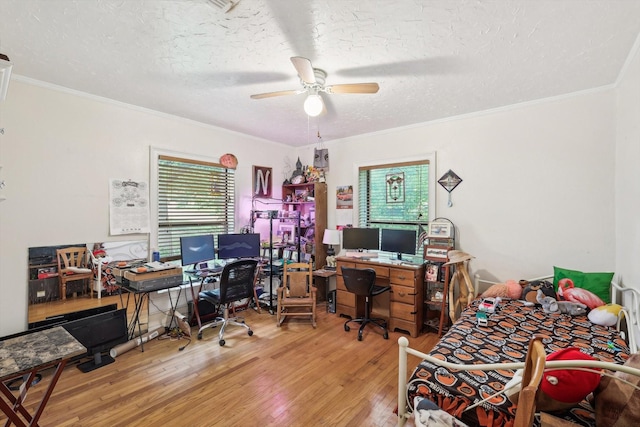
568,292
529,290
551,305
605,315
509,289
563,388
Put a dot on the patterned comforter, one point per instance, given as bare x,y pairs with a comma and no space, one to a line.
504,340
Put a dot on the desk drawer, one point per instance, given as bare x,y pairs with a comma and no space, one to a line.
380,271
344,264
403,311
340,284
403,294
403,277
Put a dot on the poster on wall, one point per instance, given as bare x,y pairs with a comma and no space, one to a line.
344,197
128,207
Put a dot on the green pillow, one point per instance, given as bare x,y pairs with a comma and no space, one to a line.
597,283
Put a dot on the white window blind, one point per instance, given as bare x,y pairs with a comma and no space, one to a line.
394,196
194,198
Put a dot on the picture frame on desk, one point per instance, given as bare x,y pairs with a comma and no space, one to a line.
288,232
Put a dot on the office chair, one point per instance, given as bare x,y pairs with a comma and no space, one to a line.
297,295
72,266
362,282
236,284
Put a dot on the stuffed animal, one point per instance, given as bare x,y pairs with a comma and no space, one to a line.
551,305
529,290
509,289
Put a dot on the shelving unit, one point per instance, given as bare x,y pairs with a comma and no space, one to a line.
436,280
308,203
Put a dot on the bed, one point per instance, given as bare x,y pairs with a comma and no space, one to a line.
504,342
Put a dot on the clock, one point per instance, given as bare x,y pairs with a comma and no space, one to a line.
298,179
229,161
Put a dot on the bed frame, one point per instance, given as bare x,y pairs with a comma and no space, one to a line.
619,295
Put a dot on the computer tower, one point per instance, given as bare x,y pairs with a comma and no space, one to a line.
331,301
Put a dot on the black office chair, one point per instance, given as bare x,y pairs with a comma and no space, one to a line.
362,282
236,284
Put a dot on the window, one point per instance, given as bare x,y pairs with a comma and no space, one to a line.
395,196
194,197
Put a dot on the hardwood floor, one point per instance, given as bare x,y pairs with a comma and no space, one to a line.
289,376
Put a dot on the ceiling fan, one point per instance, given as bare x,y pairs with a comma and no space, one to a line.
312,80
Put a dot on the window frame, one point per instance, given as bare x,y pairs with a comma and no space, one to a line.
429,157
154,156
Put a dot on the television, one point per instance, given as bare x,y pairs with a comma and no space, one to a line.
361,238
238,245
195,249
99,334
398,241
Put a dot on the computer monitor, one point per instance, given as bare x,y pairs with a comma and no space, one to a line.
238,246
99,334
398,241
360,238
195,249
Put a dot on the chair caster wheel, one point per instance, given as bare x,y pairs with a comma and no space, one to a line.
200,335
346,328
359,337
385,336
250,332
221,342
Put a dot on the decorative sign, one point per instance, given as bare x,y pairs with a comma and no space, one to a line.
449,181
262,181
128,207
395,187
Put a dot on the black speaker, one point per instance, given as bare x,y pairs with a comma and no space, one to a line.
331,302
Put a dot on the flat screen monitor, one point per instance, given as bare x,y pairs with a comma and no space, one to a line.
195,249
398,241
51,321
99,334
361,238
238,246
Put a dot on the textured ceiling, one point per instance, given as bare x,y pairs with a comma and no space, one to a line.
432,58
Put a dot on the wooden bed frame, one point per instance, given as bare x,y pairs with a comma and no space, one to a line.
535,362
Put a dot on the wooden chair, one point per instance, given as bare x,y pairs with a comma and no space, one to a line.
73,266
297,295
533,370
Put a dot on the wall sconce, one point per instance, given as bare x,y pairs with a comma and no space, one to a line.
5,75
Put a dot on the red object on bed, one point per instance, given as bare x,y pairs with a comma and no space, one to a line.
505,340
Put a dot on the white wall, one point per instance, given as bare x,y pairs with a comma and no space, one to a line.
538,180
58,153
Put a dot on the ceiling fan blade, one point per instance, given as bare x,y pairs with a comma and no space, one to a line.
353,88
279,93
304,69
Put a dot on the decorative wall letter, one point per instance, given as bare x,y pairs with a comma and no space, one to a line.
262,180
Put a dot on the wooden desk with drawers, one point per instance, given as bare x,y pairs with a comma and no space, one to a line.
402,306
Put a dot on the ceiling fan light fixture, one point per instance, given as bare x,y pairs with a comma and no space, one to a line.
313,105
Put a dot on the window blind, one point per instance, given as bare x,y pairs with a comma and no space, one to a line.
394,196
194,197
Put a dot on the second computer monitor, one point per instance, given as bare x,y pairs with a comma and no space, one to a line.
238,245
398,241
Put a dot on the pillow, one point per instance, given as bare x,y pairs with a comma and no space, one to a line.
596,283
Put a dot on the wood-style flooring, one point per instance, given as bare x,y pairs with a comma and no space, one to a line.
292,375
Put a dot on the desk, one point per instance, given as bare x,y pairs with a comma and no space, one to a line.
402,306
139,297
25,356
326,276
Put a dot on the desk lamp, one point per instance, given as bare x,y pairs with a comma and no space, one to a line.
331,237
